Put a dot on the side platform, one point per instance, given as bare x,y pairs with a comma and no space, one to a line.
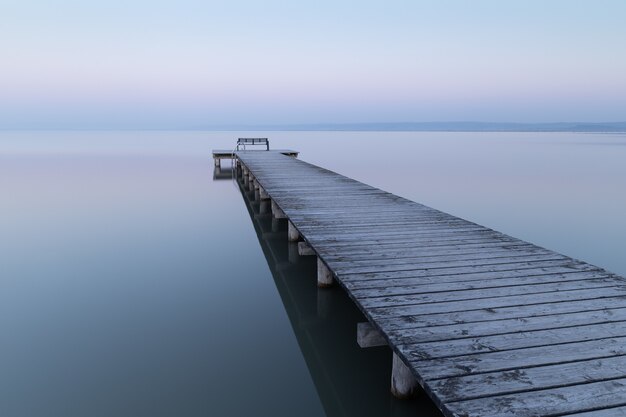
219,154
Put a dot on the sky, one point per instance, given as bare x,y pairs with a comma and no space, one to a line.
199,63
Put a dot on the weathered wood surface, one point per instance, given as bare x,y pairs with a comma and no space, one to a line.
488,325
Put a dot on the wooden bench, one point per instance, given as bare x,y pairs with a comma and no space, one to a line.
242,143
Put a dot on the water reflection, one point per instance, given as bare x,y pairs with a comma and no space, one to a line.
350,381
223,173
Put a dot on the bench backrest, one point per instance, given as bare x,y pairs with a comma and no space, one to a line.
243,142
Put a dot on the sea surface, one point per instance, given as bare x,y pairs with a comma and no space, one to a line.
136,281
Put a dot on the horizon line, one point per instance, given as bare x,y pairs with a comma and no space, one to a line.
433,126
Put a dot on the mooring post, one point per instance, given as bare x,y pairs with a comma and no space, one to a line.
403,383
292,233
217,162
324,276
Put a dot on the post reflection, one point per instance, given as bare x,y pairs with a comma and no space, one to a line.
350,381
221,173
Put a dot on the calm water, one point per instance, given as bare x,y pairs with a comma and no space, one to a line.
134,284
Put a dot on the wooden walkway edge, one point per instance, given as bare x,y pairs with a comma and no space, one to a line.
488,325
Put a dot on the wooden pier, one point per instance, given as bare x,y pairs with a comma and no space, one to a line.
488,325
323,323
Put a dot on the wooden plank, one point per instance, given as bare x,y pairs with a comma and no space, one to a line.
426,259
369,300
440,368
439,264
417,251
470,270
527,379
577,398
404,241
339,250
517,340
517,312
380,288
394,233
417,333
496,302
606,412
408,225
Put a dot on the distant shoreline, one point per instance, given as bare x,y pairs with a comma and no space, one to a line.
581,127
555,127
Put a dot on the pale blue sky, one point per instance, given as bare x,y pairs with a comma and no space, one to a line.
198,63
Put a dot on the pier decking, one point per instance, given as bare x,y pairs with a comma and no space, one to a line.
487,324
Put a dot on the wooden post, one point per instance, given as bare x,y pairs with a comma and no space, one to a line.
368,336
218,162
304,249
324,276
263,194
277,212
403,383
292,233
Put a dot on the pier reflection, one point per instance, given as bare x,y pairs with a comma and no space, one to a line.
350,381
223,173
